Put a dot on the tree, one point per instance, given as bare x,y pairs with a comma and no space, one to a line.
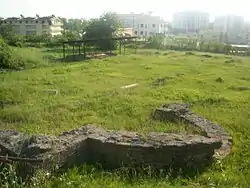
9,36
104,27
75,26
7,58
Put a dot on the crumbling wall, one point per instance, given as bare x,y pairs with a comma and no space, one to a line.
181,112
91,144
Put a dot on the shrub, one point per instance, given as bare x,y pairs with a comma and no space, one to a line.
7,58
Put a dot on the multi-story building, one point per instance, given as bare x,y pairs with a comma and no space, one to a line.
35,25
246,34
232,25
229,24
143,24
190,21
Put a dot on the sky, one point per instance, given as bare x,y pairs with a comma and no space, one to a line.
94,8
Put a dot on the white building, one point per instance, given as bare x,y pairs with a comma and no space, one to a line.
143,24
229,24
35,25
233,26
190,21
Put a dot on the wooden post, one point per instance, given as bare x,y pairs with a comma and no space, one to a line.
63,51
79,49
84,50
124,47
135,44
73,50
120,47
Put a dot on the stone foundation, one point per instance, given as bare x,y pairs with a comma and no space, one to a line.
91,144
181,112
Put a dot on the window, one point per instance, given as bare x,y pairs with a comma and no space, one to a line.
30,32
44,26
136,32
10,22
26,22
142,25
30,26
141,32
146,25
146,33
36,21
43,22
20,22
153,25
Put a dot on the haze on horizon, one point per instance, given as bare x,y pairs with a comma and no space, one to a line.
94,8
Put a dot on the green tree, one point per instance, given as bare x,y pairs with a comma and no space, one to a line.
7,58
75,26
10,37
104,27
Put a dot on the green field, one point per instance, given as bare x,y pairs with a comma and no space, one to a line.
51,97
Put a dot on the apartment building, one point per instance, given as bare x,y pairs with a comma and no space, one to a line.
229,24
35,25
233,26
246,34
190,21
143,25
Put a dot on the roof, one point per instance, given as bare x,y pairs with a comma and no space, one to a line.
97,39
31,18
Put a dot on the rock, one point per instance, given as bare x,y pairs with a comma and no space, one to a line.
11,142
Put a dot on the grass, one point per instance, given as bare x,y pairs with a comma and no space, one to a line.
54,97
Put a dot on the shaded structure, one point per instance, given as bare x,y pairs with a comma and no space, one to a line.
89,48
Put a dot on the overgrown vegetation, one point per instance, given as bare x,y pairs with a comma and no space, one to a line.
56,98
8,60
191,44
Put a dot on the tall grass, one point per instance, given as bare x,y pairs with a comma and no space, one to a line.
51,99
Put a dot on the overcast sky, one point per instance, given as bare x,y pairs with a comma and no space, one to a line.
93,8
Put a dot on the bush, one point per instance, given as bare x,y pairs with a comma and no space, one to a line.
7,58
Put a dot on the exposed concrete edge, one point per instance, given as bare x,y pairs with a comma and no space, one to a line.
181,112
92,144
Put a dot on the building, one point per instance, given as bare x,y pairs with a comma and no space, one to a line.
211,36
190,21
143,25
229,24
246,32
35,25
233,26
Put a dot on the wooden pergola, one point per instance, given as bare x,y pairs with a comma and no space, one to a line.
80,45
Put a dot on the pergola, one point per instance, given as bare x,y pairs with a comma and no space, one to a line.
79,46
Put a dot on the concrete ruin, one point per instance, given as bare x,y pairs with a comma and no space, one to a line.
91,144
181,112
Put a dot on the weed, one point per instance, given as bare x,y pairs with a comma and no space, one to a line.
90,93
